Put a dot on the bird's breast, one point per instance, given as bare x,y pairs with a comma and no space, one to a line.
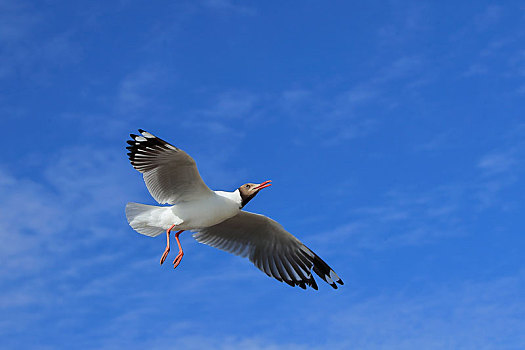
205,212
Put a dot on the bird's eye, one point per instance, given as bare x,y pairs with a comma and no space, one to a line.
248,186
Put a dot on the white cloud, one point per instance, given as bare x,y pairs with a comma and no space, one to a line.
439,142
405,21
500,169
460,314
136,88
496,162
476,69
412,216
51,219
356,110
405,218
231,105
468,315
17,20
30,215
25,49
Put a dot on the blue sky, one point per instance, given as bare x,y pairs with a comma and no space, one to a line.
394,133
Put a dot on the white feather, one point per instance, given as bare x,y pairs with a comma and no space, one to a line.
150,220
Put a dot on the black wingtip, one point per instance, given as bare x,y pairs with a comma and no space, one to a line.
324,271
141,130
314,286
290,283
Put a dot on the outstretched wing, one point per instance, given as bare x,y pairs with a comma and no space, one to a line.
170,174
270,247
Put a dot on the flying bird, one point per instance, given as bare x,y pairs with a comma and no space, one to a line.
215,217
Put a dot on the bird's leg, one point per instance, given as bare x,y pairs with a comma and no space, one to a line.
167,250
178,259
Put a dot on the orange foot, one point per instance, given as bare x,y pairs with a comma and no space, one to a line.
165,255
178,259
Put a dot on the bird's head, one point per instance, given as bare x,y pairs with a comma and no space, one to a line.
249,190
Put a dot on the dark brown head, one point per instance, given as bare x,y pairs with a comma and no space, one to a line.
249,190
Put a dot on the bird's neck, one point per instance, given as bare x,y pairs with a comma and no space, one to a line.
233,196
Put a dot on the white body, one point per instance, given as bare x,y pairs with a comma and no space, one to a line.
207,211
199,213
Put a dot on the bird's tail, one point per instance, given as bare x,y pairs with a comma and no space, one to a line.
141,218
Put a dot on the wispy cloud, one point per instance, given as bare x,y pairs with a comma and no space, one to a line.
356,109
17,20
29,216
25,47
496,162
406,21
412,216
496,55
500,168
230,105
136,89
224,119
38,218
439,142
469,315
406,218
476,69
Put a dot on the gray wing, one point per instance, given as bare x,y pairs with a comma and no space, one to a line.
270,247
170,174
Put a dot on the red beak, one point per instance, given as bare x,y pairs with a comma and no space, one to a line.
263,185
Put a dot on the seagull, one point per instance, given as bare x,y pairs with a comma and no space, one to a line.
215,217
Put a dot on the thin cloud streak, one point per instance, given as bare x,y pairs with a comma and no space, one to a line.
469,315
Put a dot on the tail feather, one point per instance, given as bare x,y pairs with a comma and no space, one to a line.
146,219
